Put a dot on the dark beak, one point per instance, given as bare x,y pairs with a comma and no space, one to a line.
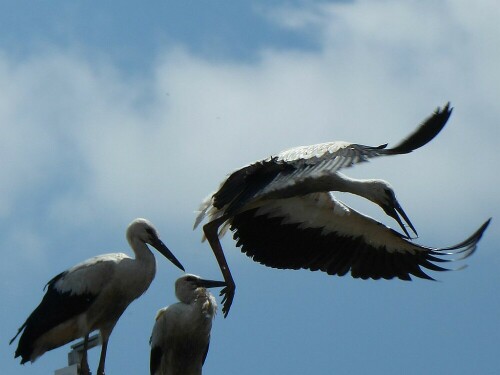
211,283
160,246
393,212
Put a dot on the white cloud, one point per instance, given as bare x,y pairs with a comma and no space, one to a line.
103,146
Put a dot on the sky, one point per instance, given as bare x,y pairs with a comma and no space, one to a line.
119,110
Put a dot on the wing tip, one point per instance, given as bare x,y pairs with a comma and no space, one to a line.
425,132
465,248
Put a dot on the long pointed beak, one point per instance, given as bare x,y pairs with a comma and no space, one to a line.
211,283
393,212
163,249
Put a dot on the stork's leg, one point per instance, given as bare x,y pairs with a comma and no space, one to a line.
84,364
211,232
102,359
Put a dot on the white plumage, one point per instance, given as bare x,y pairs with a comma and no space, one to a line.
283,215
92,296
181,334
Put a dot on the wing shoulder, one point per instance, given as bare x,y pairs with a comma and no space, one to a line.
242,185
89,276
314,168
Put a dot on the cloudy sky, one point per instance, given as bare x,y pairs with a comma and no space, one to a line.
116,110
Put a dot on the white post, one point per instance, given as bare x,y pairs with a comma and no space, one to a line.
75,356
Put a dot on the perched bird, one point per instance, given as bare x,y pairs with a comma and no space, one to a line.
283,215
92,296
181,334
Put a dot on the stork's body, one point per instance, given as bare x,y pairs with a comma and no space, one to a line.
283,215
181,334
92,296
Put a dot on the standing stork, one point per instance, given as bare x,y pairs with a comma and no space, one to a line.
181,334
92,296
283,215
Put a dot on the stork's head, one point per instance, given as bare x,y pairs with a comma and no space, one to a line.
187,287
144,231
382,193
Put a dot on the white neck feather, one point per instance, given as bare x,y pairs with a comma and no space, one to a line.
361,187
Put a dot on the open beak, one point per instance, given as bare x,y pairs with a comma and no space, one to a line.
211,283
393,212
163,249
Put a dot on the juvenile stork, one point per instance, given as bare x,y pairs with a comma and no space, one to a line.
92,296
282,214
181,334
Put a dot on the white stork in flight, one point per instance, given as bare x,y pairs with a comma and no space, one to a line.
181,334
282,214
92,296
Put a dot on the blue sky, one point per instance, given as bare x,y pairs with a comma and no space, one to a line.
118,111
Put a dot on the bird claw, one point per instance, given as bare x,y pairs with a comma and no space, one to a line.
228,295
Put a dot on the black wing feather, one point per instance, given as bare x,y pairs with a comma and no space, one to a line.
155,359
240,187
429,128
55,308
269,241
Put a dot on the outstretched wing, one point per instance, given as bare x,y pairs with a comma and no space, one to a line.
313,168
318,232
308,169
347,154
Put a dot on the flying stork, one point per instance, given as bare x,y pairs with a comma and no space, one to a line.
282,214
92,296
181,334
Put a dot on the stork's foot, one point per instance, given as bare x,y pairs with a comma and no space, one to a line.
228,295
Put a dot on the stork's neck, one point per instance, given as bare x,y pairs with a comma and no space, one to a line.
205,303
200,300
141,250
361,187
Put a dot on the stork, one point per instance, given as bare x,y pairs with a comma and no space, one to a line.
283,215
91,296
181,334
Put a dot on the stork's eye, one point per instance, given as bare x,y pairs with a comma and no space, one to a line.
150,231
190,279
